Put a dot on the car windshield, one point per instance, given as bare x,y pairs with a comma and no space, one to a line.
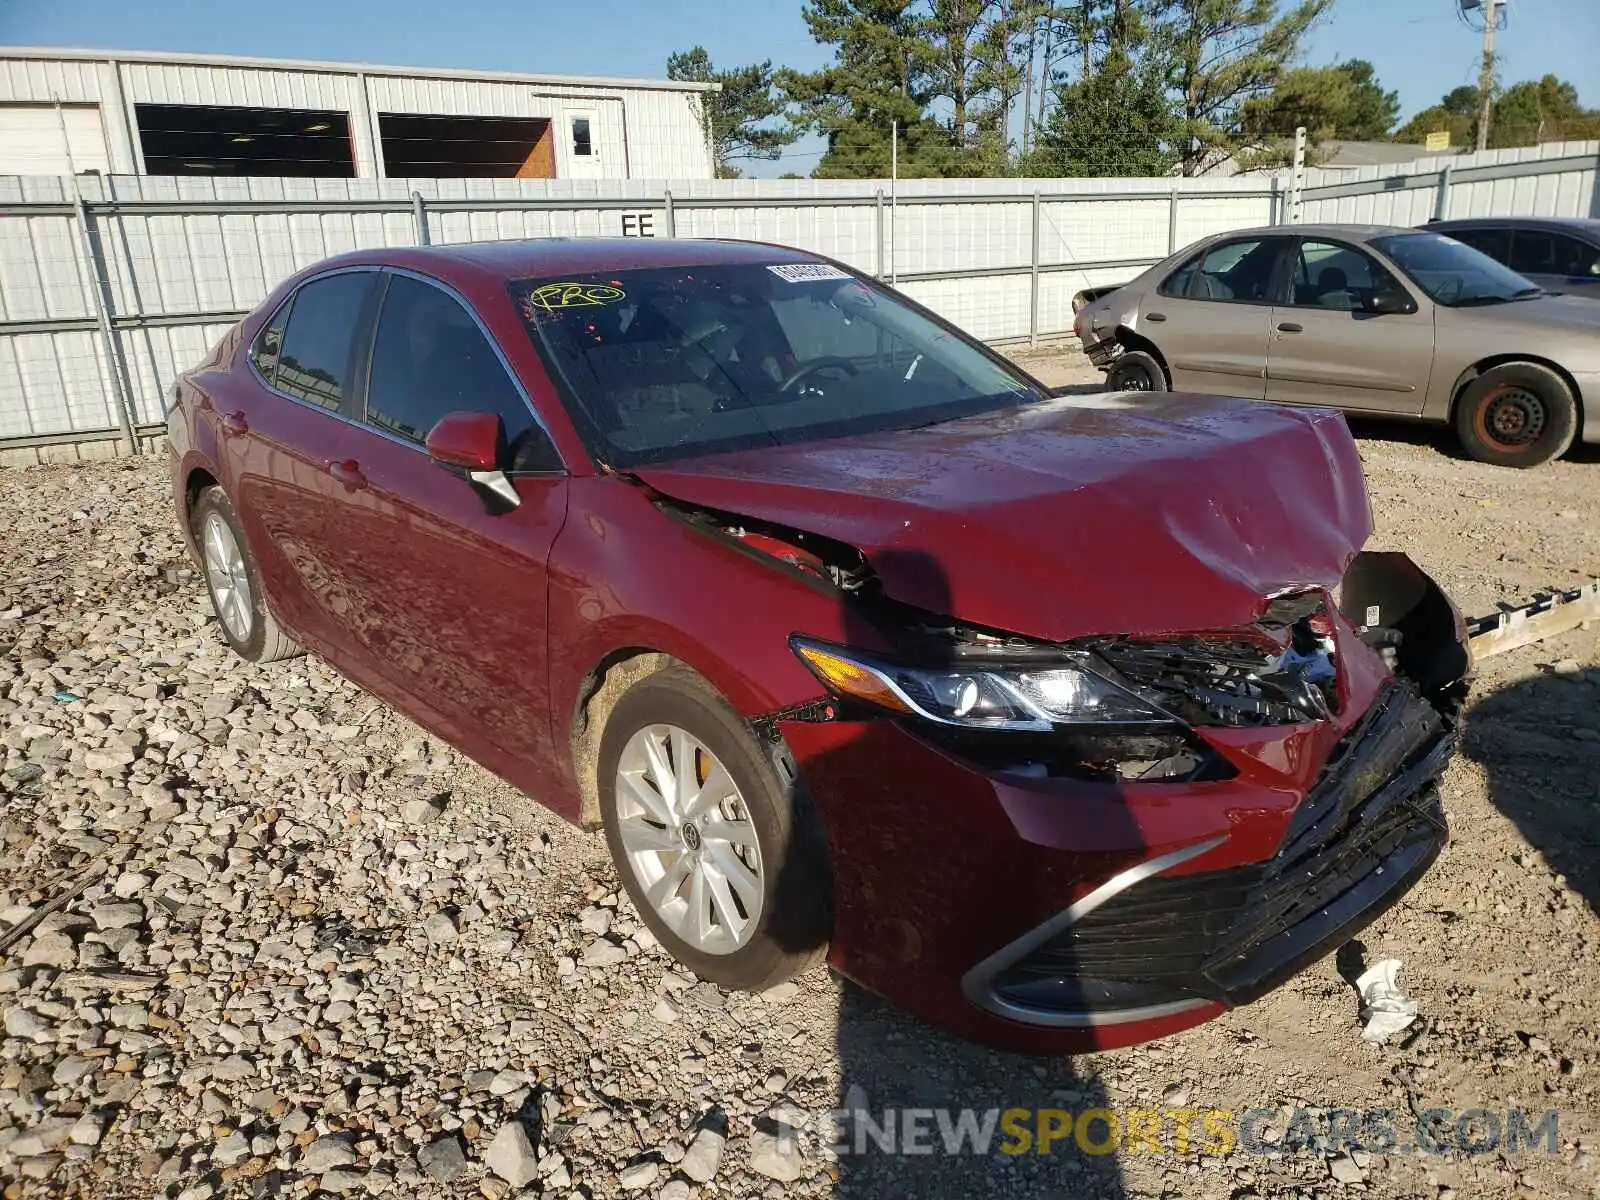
675,362
1454,274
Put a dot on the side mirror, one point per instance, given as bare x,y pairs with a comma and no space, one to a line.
473,444
1388,303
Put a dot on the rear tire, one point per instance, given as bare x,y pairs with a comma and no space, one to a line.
1136,371
234,583
1517,415
755,852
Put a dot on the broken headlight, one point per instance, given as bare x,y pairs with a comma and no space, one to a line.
1032,698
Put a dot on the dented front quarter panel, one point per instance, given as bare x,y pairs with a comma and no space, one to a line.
626,576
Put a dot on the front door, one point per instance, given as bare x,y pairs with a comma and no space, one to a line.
1328,349
1212,316
450,599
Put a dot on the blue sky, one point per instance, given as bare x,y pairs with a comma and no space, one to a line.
1418,46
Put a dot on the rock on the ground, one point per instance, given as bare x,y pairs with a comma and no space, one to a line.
703,1156
775,1155
443,1159
511,1155
328,1152
638,1175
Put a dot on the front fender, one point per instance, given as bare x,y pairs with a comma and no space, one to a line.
626,578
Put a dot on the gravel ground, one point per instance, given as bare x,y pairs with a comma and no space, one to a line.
282,940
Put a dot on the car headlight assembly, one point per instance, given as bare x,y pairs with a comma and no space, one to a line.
1026,698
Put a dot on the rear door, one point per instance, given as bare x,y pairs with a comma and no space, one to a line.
279,424
1211,318
1326,349
450,599
1556,261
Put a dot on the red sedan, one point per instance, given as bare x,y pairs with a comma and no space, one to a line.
1063,723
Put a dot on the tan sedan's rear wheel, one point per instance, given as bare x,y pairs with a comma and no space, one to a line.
1517,415
1136,371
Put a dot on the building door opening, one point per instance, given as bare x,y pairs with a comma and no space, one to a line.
466,147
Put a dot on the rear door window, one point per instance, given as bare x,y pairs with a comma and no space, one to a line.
1237,271
317,363
1538,252
430,358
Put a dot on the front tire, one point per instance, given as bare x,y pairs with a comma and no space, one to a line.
722,857
235,584
1517,415
1136,371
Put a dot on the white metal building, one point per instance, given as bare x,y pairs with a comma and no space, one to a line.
125,112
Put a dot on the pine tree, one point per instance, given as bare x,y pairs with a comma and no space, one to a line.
736,118
882,73
1118,122
1221,54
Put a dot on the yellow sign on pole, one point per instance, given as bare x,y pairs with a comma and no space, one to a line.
1438,141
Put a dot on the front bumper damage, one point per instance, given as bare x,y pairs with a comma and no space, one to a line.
1153,944
1046,913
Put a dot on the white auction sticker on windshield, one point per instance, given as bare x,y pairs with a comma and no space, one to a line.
806,272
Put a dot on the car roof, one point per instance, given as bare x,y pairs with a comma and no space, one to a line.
544,258
1353,233
1581,225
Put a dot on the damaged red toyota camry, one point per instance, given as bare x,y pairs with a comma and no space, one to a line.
1062,722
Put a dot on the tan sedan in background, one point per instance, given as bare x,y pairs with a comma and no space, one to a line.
1371,319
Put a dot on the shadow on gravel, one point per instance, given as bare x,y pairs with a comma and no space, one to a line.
1539,742
916,858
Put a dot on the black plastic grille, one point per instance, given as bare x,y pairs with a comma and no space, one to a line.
1368,829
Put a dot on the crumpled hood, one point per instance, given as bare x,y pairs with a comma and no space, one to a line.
1083,515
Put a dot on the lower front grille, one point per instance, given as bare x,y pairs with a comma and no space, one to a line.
1364,834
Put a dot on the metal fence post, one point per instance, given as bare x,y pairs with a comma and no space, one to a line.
100,296
878,254
1441,202
1172,220
419,218
672,220
1275,212
1033,284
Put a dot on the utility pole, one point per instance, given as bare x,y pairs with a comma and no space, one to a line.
1491,18
894,188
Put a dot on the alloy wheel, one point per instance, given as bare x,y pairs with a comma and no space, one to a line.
688,839
227,577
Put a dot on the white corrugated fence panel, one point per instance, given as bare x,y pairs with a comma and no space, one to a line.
191,264
53,383
1408,193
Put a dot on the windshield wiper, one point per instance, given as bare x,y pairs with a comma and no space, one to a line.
1528,293
1481,301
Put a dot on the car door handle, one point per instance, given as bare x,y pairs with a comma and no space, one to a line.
348,473
234,423
1290,327
1155,316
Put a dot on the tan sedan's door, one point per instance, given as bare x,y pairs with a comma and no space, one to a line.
1328,348
1212,316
